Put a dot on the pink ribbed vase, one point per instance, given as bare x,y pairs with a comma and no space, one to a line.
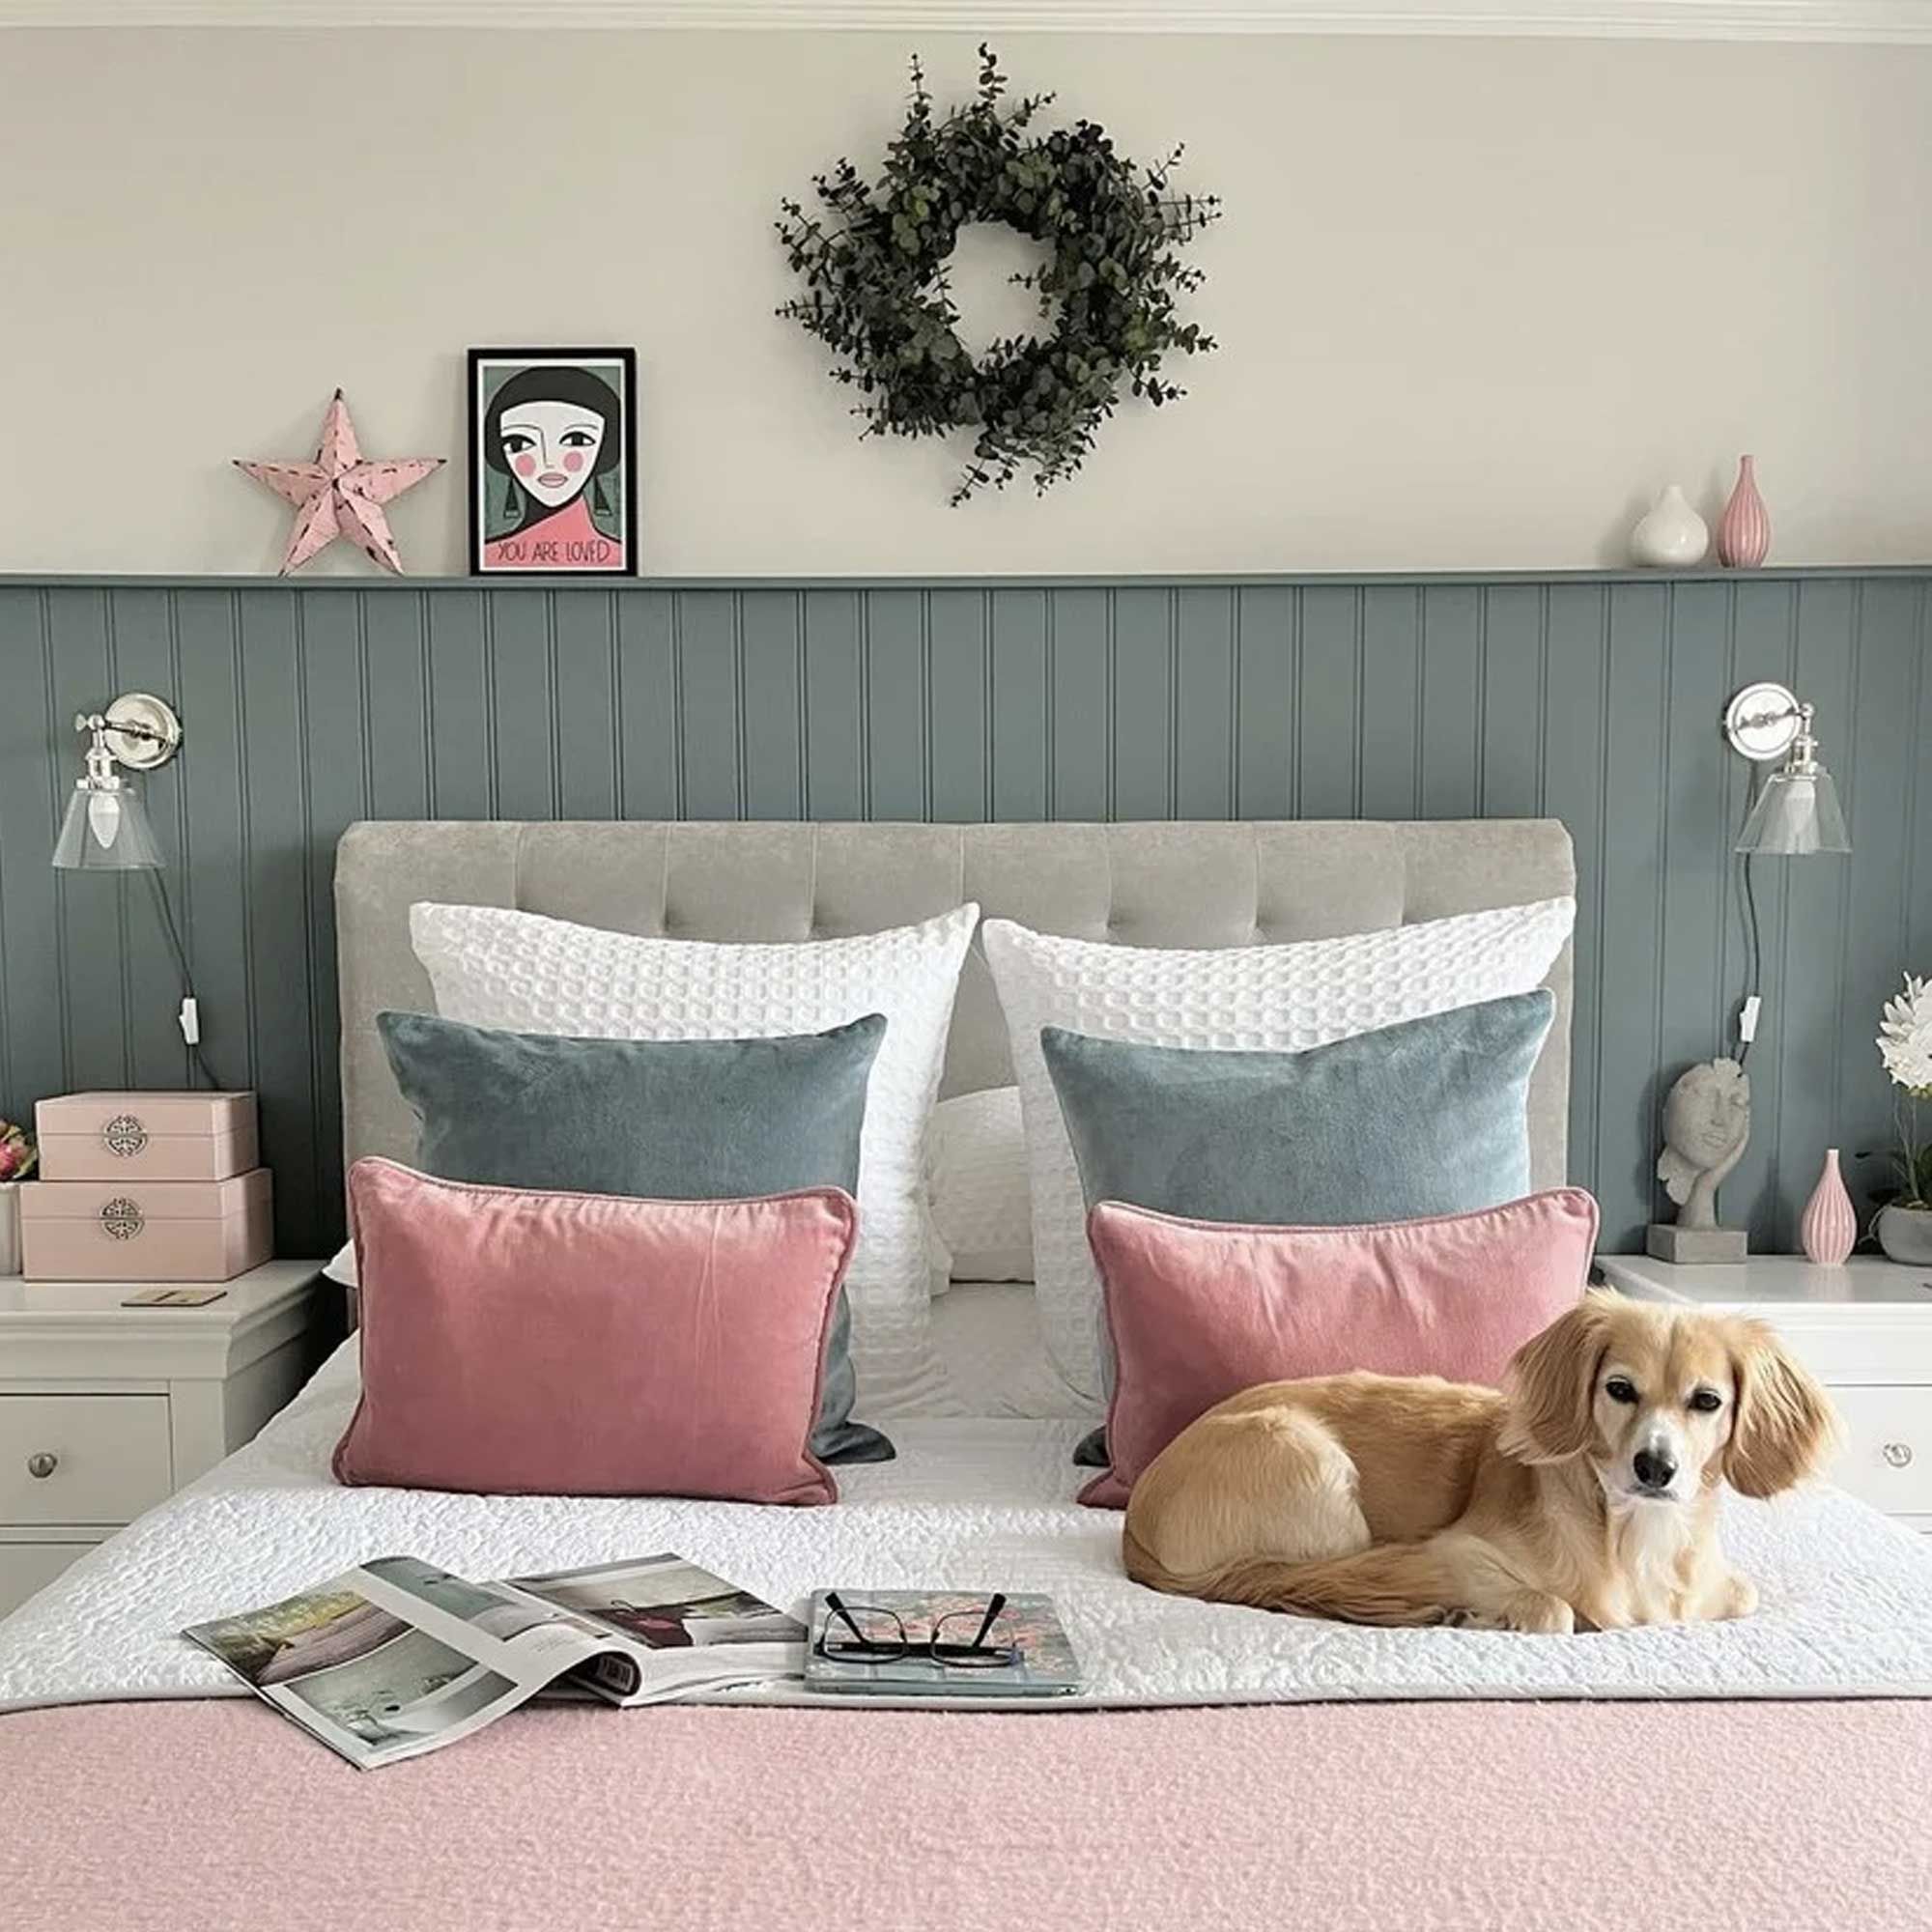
1829,1228
1743,530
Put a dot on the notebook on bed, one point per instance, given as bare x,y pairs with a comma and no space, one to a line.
938,1644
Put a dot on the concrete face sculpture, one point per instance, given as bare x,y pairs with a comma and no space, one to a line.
1706,1129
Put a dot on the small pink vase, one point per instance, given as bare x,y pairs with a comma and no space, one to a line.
1829,1228
1743,530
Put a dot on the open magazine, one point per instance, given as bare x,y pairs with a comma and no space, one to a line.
397,1658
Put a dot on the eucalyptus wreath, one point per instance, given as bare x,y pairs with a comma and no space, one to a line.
874,261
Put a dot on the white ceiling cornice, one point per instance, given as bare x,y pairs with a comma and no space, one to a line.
1889,21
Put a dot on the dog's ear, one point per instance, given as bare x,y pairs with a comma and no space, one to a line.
1549,1383
1783,1427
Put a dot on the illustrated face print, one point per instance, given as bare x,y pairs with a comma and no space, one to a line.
552,448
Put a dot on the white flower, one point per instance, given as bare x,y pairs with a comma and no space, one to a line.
1905,1038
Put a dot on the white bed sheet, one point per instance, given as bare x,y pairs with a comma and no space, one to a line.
971,1504
988,1335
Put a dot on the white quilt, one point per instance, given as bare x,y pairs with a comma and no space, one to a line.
969,1504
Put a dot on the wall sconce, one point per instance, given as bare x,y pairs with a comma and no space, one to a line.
107,827
1796,811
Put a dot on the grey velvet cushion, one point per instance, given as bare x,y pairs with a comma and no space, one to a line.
667,1120
1426,1118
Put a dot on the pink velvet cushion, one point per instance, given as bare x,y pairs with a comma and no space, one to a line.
1201,1310
519,1342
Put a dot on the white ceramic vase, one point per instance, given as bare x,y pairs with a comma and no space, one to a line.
9,1227
1672,536
1905,1234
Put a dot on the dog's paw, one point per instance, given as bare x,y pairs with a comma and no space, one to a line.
1738,1597
1460,1617
1538,1615
1467,1618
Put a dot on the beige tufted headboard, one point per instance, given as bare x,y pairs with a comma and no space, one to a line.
1153,884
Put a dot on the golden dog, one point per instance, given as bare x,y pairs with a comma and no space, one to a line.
1583,1495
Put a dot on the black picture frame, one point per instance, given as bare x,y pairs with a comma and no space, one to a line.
568,550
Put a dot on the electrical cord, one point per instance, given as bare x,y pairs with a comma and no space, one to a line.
1753,949
1746,1021
180,952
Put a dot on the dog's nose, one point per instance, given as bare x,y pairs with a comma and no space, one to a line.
1653,1471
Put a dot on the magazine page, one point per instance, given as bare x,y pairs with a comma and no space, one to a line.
685,1632
399,1657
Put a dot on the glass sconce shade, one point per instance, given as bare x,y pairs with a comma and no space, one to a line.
106,830
1797,813
106,827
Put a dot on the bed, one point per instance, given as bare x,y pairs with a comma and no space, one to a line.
1768,1774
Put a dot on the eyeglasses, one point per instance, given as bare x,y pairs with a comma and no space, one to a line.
879,1636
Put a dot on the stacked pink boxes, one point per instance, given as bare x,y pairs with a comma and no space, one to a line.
148,1187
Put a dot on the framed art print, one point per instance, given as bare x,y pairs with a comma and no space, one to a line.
553,461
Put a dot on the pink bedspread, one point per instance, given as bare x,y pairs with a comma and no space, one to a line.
1775,1817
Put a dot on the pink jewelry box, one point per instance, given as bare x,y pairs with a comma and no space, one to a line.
146,1230
151,1136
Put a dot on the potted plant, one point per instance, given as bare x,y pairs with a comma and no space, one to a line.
1905,1045
17,1156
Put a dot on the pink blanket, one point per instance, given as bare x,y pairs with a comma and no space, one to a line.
1775,1817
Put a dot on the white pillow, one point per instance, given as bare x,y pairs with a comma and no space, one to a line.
493,967
1262,997
980,1204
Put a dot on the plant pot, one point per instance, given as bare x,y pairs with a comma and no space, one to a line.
9,1227
1905,1234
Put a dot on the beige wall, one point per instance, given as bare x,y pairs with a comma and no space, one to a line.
1475,297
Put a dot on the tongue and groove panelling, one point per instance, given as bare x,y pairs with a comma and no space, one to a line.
1590,699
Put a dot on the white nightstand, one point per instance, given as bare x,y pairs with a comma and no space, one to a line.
104,1410
1865,1330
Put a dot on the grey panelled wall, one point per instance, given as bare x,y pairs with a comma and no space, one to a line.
1591,698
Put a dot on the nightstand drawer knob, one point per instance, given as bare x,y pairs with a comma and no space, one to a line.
1898,1454
41,1464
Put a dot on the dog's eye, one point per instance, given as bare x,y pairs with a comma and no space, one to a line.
1620,1388
1705,1400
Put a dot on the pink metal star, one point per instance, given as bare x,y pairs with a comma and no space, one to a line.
340,495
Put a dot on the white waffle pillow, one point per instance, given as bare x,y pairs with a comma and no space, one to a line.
979,1203
493,967
1279,998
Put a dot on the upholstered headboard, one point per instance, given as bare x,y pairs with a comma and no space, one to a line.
1153,884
